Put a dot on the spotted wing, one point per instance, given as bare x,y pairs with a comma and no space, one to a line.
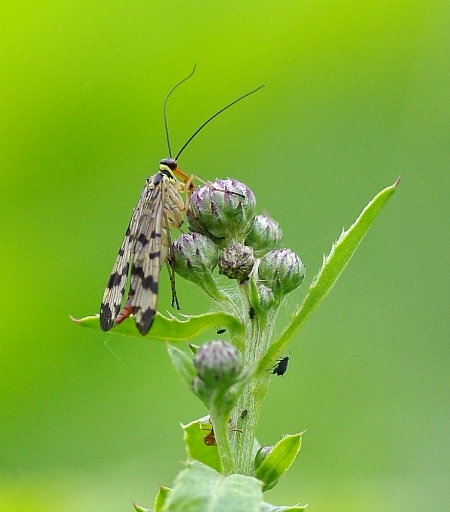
115,289
147,259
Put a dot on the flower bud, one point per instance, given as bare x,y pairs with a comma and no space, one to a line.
218,362
222,210
266,297
261,455
195,257
282,271
264,235
236,262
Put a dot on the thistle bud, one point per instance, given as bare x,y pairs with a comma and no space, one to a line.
195,257
218,366
236,262
261,455
218,361
265,235
282,271
222,210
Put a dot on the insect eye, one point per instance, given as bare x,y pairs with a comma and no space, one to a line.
170,162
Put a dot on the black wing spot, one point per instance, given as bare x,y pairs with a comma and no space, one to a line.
146,321
115,279
143,239
106,317
148,283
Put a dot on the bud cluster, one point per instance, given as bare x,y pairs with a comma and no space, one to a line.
222,218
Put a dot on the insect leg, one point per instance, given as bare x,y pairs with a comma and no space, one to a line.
172,282
124,313
170,261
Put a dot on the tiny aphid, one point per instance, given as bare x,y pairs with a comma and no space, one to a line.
243,414
147,242
221,331
281,366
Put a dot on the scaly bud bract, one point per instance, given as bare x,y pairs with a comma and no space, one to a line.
218,363
282,271
265,235
195,257
236,262
222,210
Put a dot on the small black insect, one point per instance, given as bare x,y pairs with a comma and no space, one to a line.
281,366
243,414
251,313
221,331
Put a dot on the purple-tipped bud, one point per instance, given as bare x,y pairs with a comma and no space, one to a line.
282,271
195,257
236,262
264,235
218,363
222,210
193,253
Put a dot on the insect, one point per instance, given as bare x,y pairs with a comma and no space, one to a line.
251,313
210,438
281,366
221,331
243,414
147,242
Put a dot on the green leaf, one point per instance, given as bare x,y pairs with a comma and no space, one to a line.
194,433
172,329
267,507
198,488
138,508
279,460
161,498
332,267
183,364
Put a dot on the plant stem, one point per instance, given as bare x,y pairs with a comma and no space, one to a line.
222,436
258,336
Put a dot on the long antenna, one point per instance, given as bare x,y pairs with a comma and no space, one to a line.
164,108
212,117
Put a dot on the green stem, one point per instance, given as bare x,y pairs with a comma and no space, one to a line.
222,436
258,336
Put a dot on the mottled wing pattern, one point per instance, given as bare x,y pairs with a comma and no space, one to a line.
147,259
150,203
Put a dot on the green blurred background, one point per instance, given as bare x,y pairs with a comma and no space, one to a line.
357,93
